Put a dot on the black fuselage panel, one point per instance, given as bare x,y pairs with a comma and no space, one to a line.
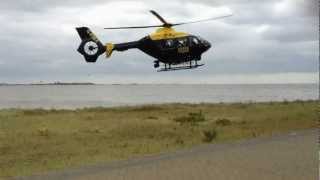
176,50
169,51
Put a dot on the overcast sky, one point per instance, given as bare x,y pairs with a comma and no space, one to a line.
273,41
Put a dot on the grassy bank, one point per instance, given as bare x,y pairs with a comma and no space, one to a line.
35,141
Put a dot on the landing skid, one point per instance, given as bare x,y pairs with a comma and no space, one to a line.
175,68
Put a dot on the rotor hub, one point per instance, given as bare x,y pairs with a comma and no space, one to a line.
91,48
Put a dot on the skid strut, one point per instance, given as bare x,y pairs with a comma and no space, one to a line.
182,66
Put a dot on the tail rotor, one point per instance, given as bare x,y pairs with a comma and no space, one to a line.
91,48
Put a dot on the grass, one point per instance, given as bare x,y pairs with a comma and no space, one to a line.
37,140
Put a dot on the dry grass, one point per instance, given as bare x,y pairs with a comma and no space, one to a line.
35,141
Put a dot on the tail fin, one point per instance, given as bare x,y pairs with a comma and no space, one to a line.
91,48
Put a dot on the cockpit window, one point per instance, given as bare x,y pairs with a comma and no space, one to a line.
195,41
202,40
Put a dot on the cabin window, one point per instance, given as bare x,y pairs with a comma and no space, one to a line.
169,43
182,42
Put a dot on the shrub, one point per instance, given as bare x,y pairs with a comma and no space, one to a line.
43,132
179,141
223,122
96,130
243,122
34,112
152,117
254,134
298,101
241,105
191,118
209,135
285,102
147,108
89,117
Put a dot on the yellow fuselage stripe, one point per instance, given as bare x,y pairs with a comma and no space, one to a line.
166,33
109,49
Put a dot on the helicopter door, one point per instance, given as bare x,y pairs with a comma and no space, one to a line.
168,47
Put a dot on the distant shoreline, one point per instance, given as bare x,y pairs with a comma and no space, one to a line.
46,84
139,105
137,84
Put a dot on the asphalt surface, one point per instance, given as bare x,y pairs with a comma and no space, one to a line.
292,156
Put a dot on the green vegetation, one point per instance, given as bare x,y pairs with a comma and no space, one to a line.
191,118
35,141
223,122
209,135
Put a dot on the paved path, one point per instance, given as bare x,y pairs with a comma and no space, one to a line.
293,156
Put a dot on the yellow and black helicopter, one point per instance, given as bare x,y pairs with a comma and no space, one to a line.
176,50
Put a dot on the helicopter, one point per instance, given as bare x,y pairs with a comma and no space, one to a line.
173,50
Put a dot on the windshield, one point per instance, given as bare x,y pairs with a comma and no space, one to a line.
202,40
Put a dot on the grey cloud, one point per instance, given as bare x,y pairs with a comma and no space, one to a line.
309,7
40,5
292,33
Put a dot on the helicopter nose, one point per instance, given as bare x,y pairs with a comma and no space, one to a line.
207,45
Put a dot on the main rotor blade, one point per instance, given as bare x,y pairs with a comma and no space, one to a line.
159,17
134,27
203,20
